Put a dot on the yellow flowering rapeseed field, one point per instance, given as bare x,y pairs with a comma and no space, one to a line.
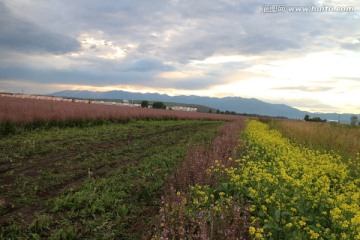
294,192
276,190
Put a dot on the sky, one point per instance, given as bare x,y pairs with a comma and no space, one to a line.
260,49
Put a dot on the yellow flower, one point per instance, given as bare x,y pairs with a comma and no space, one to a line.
252,208
277,174
313,235
264,208
252,230
345,224
302,223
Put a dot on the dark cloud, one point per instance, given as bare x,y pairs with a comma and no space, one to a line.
76,77
146,65
102,73
201,28
141,72
19,35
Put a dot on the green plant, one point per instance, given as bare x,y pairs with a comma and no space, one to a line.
159,105
102,181
7,128
144,104
41,223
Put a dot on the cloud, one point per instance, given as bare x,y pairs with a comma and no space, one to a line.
146,65
352,46
309,104
20,35
187,84
217,46
356,79
184,31
305,88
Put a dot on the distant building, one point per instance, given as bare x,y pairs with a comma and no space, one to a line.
186,109
125,103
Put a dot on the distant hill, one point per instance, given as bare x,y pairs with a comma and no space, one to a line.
237,104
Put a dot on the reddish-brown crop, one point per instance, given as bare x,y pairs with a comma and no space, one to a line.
200,158
23,111
176,220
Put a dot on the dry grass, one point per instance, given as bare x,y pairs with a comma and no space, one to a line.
175,220
199,158
343,139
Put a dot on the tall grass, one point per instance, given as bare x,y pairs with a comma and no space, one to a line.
199,158
343,139
178,220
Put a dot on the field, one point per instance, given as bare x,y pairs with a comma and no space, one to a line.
31,113
86,182
82,171
274,189
71,171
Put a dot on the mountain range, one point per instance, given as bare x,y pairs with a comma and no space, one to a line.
236,104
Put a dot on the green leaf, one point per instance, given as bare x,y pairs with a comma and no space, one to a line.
277,215
269,225
225,186
35,236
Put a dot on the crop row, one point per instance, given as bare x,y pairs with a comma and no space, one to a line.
100,182
32,113
275,190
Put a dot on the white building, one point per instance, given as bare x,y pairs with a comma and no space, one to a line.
186,109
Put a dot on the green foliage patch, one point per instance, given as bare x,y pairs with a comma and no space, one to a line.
98,182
